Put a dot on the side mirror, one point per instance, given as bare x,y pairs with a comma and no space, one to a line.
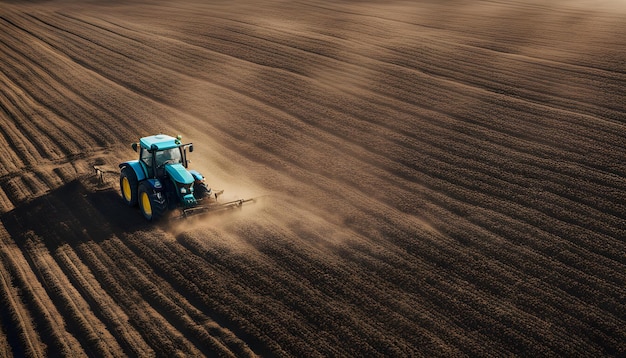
134,146
190,148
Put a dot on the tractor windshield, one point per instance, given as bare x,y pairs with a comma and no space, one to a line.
168,156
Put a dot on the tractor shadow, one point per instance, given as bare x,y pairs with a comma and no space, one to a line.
79,211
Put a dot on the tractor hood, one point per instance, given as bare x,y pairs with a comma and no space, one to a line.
178,173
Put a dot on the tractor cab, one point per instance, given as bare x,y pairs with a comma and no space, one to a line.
160,152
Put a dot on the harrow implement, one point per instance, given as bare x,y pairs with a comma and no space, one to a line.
216,207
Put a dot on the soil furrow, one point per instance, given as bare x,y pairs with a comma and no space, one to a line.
76,313
169,267
53,87
48,320
179,312
123,326
79,277
433,178
22,338
156,330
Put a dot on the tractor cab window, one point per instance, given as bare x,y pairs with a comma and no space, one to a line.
146,157
168,156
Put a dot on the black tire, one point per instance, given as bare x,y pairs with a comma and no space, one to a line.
128,186
151,205
200,191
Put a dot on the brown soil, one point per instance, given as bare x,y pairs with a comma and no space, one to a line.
437,178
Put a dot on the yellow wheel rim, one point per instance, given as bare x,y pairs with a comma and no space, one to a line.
126,189
145,204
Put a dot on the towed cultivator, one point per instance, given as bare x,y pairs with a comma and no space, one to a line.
160,181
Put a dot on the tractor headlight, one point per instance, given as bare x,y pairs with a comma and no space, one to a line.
157,184
185,189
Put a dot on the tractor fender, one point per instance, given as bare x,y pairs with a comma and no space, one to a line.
155,184
137,168
196,175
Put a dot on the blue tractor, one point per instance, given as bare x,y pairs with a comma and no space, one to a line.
160,181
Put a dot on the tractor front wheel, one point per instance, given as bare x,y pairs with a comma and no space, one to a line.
128,186
152,205
200,190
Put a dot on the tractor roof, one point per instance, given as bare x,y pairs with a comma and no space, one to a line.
161,141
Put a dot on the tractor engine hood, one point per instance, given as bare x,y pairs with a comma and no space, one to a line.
178,173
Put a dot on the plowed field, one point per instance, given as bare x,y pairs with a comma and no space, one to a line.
436,178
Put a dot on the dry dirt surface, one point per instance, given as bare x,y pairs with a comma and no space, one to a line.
436,178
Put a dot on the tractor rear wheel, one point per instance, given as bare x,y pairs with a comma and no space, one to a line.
152,205
128,186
